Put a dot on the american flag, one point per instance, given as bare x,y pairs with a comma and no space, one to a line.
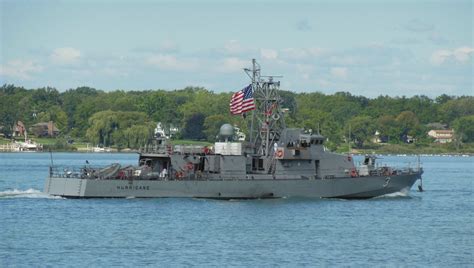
242,101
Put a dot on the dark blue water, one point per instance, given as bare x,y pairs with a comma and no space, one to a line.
433,228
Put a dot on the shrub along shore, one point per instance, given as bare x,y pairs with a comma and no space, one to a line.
127,119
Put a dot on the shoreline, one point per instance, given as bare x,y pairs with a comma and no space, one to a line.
377,149
450,154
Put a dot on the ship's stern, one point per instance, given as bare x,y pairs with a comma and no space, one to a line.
67,187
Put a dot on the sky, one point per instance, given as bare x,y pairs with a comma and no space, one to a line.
370,48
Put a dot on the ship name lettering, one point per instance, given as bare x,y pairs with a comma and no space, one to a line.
131,187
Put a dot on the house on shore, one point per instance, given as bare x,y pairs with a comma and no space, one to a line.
442,135
18,129
45,129
379,138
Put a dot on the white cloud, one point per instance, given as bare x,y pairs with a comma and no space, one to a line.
269,54
339,72
169,62
234,47
20,69
461,54
65,55
440,56
233,64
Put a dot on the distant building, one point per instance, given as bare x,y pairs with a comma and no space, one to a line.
379,138
45,129
18,129
162,131
159,131
442,135
409,139
239,135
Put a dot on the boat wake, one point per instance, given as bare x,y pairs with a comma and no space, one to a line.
405,192
30,193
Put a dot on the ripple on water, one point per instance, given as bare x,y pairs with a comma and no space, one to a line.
433,228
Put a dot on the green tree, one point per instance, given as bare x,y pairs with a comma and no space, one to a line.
388,127
71,100
194,127
55,114
443,98
212,125
464,127
362,129
119,128
456,108
138,135
408,124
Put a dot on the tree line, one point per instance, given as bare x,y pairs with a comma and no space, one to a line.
127,118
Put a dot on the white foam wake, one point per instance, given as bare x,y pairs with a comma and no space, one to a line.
30,193
402,193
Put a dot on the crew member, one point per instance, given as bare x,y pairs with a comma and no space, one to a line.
164,173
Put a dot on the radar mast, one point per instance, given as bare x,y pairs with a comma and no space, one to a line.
267,120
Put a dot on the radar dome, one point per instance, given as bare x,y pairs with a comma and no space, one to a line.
226,131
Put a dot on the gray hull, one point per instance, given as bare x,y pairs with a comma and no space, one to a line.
361,187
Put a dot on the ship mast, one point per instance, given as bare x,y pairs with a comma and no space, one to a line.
267,119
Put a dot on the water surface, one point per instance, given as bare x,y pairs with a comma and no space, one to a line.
433,228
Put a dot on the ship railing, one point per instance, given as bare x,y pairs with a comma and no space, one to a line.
155,149
83,172
188,149
409,168
390,170
382,169
67,172
90,172
177,149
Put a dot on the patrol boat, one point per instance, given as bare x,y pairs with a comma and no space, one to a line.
275,162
